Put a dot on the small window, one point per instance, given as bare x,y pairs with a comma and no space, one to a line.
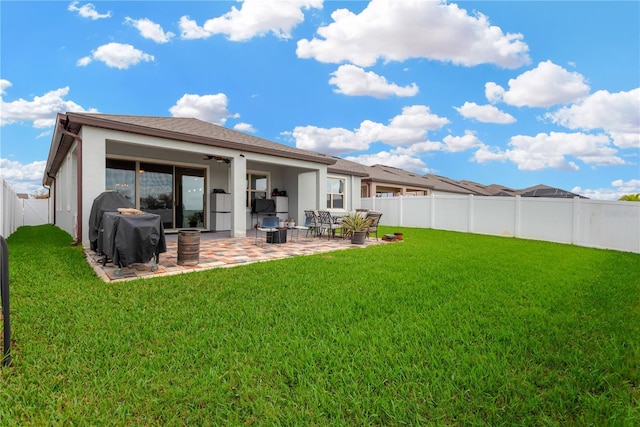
335,193
257,187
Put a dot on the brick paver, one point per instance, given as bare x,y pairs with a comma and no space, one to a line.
221,252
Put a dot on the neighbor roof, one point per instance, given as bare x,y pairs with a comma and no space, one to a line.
348,167
393,175
542,190
442,183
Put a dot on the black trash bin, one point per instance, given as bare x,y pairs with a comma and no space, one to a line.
278,236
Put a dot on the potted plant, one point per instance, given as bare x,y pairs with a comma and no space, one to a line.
355,227
192,220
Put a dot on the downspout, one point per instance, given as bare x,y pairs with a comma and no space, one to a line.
78,240
55,192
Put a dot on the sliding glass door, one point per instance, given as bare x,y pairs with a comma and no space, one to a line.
175,193
156,191
190,197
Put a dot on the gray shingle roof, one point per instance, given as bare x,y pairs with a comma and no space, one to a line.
542,190
348,167
194,130
393,175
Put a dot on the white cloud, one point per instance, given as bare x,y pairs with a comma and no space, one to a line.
87,11
23,178
328,141
631,186
546,85
401,161
398,30
553,150
244,127
41,110
150,30
493,92
84,61
405,129
619,189
4,84
616,113
419,147
210,108
254,18
116,55
456,144
355,81
189,29
484,113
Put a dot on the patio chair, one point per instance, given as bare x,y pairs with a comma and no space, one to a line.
326,222
374,217
269,225
310,224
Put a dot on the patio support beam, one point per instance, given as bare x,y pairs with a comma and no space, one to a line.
238,196
321,188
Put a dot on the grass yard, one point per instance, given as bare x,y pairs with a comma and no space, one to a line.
442,329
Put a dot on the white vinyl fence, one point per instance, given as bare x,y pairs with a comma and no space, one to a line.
583,222
16,212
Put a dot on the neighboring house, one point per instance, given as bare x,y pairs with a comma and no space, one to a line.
388,181
542,190
444,185
176,166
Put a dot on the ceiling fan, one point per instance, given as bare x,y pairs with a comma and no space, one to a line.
216,158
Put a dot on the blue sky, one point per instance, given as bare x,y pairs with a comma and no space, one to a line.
513,93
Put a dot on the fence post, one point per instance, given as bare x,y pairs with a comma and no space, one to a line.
432,220
471,214
517,224
575,232
4,288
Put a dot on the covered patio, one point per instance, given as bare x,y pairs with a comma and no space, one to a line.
219,249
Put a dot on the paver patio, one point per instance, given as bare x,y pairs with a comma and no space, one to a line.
219,250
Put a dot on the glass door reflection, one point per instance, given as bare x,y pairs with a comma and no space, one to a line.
156,191
190,198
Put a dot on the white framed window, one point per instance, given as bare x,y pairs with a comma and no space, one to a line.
257,185
335,193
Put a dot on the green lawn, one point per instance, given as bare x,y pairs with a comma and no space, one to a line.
442,329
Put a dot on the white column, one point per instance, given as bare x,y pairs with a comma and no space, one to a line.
321,191
238,196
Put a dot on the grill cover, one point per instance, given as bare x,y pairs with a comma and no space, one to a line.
130,239
109,201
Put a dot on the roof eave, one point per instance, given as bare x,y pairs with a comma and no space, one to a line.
60,144
83,120
401,183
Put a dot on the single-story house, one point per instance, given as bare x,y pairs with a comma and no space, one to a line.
542,190
388,181
191,172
